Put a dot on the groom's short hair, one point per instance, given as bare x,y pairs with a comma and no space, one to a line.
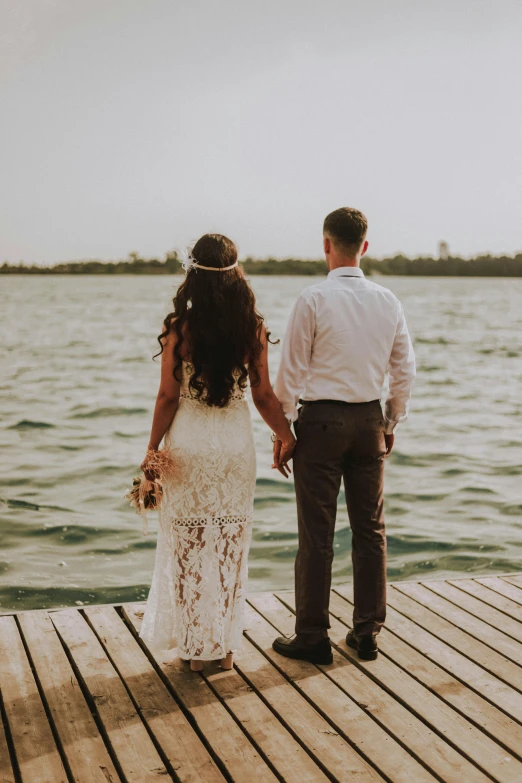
347,228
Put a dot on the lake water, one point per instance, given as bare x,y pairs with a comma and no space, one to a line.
77,389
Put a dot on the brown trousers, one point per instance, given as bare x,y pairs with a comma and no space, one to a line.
337,442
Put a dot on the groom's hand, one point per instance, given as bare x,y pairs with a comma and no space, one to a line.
389,440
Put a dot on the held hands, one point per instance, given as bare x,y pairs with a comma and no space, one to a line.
283,452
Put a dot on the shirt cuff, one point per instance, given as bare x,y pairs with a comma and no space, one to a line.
389,426
290,413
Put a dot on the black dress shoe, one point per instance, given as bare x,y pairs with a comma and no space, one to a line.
295,648
366,646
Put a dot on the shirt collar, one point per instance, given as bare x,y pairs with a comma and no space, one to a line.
346,271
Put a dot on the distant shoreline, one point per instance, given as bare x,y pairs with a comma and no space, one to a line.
481,266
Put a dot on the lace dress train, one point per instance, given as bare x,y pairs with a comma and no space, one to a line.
197,595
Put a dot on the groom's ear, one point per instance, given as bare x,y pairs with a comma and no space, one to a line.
365,247
326,245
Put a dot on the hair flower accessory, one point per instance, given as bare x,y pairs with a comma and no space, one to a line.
188,261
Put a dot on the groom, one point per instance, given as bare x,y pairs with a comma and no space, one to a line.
343,335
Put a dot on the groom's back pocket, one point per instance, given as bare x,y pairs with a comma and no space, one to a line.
325,424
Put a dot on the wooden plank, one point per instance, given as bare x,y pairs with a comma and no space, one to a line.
478,608
501,586
316,734
457,730
457,637
397,641
82,744
453,754
514,579
499,602
20,612
127,735
438,601
466,658
288,757
183,750
343,706
222,733
37,756
6,769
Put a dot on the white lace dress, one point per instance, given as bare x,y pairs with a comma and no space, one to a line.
196,600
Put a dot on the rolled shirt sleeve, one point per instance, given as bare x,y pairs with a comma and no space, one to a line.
402,374
295,357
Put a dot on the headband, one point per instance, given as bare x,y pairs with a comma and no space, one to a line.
215,268
189,262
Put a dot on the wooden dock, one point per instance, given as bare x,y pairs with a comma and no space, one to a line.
82,699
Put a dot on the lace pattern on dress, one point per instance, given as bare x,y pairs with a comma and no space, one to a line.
205,522
196,601
186,395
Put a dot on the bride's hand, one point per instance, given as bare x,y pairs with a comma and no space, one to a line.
150,475
283,452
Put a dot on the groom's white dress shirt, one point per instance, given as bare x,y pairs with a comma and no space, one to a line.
343,335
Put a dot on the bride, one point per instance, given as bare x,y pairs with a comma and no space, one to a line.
213,343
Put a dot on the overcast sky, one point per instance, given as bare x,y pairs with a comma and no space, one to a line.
139,126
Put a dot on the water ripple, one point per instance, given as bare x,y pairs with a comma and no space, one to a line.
27,424
76,406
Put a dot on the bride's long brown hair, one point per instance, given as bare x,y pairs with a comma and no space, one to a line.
216,324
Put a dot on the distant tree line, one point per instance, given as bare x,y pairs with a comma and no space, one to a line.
481,266
135,265
285,266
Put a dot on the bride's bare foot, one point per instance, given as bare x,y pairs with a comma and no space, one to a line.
228,661
196,666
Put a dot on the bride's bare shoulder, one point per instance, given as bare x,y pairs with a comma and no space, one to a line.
168,335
